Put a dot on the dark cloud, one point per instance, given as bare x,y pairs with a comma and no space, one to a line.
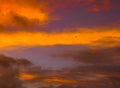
95,56
23,21
24,62
96,76
10,71
93,76
100,69
9,79
6,61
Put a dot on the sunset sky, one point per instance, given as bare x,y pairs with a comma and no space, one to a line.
58,25
62,34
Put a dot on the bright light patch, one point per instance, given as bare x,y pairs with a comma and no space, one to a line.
27,76
46,39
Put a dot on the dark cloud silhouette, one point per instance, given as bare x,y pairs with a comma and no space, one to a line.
6,61
94,56
9,79
10,71
24,62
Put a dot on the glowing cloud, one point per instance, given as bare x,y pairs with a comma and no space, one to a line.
66,38
60,80
27,76
10,9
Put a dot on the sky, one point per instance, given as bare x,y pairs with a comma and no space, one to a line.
37,29
56,26
62,34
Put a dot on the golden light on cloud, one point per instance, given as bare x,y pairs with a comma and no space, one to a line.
26,11
45,39
27,76
60,80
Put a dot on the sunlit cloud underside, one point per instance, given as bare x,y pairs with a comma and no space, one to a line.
66,38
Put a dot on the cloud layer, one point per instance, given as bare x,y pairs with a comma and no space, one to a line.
84,36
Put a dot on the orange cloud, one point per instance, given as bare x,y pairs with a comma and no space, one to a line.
60,80
85,36
27,76
29,10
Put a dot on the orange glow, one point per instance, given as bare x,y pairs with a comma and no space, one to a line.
60,80
8,9
26,76
44,39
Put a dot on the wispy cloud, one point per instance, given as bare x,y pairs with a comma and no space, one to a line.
98,56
